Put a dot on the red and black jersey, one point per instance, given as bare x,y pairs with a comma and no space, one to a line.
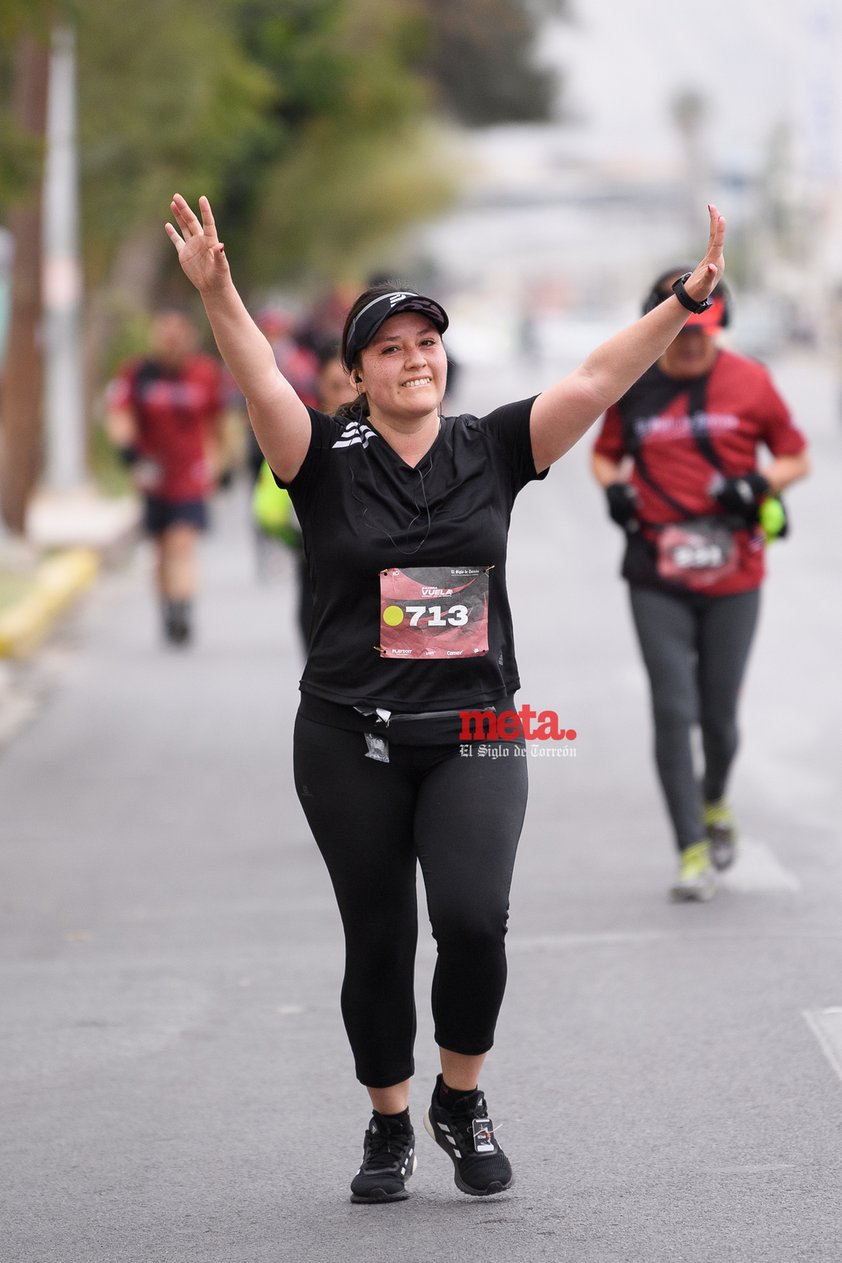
175,411
655,423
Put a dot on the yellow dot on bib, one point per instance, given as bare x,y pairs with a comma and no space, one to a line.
393,616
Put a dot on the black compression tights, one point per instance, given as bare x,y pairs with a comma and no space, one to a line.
695,648
460,819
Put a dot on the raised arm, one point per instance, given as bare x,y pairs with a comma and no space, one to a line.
562,414
278,417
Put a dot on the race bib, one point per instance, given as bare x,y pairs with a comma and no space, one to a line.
434,612
696,553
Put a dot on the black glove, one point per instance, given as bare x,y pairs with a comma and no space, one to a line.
741,496
622,505
128,454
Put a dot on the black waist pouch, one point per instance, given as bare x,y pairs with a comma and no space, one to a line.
422,728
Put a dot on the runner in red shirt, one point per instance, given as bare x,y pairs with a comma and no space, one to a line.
163,415
677,456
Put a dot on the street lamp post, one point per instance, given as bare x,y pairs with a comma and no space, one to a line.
65,464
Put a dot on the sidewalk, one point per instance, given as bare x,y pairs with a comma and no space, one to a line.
69,537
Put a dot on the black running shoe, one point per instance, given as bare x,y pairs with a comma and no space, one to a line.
388,1161
466,1134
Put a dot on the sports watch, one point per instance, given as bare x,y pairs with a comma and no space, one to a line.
685,299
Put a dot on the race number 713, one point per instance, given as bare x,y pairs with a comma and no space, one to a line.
455,616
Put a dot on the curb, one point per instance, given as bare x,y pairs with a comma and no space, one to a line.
58,581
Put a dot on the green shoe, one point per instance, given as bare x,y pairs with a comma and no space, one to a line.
721,832
696,875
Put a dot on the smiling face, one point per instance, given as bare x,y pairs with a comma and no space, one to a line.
404,369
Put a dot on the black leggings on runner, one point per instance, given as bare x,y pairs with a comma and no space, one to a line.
459,817
695,649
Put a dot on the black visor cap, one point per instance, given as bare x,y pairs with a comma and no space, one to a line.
368,321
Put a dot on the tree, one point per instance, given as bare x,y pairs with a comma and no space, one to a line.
356,151
20,436
167,96
308,123
480,55
346,160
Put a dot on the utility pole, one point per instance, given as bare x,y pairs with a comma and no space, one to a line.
65,454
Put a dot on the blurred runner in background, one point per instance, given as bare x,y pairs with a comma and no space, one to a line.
163,414
272,507
677,456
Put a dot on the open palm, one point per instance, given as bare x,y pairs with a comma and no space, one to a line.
200,252
708,273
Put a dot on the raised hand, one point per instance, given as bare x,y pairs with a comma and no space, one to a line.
707,275
200,252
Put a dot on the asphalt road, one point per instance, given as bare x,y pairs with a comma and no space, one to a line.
174,1078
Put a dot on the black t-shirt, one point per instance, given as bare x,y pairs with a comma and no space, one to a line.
363,509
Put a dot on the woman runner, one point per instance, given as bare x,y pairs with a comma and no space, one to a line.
405,517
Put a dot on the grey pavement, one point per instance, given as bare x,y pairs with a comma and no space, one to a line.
174,1077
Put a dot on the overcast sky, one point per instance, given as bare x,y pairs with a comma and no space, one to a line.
758,61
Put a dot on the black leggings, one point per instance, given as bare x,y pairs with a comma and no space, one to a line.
459,818
695,649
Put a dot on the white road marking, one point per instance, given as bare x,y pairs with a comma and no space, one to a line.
750,1168
826,1025
757,868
